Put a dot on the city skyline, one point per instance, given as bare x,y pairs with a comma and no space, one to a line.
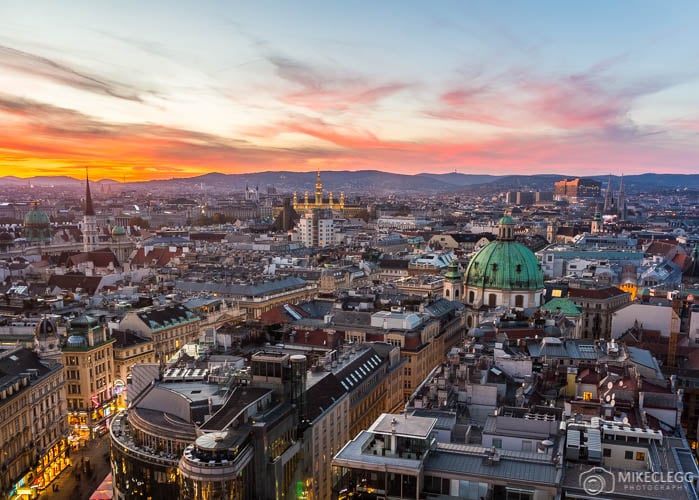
182,90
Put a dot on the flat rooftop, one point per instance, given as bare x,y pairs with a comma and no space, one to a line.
405,425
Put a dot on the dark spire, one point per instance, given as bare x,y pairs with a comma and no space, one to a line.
609,198
89,209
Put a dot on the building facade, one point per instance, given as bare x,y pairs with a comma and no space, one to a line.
168,327
89,372
33,427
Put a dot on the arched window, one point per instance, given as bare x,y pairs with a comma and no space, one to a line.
471,297
469,321
456,293
446,292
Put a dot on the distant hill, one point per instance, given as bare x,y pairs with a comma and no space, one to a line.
456,179
50,181
370,181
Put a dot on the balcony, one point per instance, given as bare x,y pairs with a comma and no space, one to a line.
120,433
225,458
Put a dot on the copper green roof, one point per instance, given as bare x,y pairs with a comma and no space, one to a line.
83,322
505,265
560,304
452,272
36,217
118,231
37,226
507,220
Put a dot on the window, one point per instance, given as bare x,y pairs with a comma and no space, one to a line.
519,300
587,396
628,455
497,443
519,494
640,456
607,452
471,296
492,300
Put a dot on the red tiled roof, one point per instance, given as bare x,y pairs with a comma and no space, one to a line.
661,248
157,256
101,258
72,282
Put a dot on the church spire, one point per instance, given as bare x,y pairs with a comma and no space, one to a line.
90,232
621,201
609,198
89,209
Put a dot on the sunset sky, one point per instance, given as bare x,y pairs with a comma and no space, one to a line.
143,90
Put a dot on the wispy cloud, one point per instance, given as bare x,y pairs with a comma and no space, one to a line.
320,89
58,72
521,99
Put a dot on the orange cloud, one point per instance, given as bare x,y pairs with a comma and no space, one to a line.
42,139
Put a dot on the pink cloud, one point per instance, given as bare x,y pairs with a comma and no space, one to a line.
322,89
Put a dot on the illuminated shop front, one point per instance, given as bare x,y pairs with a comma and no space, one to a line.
100,416
79,428
51,464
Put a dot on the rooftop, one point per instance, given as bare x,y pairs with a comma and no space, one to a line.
406,426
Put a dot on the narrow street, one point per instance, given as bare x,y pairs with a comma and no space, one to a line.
75,483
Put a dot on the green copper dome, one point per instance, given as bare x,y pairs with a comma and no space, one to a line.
118,231
36,217
37,226
505,264
506,220
452,272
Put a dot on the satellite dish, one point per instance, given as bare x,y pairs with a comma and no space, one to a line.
626,420
613,395
610,384
613,402
621,383
608,398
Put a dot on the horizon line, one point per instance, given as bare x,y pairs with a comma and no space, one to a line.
340,171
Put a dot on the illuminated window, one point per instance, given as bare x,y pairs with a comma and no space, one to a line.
587,396
640,456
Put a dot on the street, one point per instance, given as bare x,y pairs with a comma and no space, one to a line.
75,483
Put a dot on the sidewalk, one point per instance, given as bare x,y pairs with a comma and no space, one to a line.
69,487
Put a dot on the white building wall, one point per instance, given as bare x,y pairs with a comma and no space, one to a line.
694,327
651,317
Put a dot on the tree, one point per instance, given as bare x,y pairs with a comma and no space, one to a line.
140,222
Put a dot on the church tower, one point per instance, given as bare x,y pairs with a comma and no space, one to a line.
453,282
609,207
89,220
621,201
319,190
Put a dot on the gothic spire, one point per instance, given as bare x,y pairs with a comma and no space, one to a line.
89,209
